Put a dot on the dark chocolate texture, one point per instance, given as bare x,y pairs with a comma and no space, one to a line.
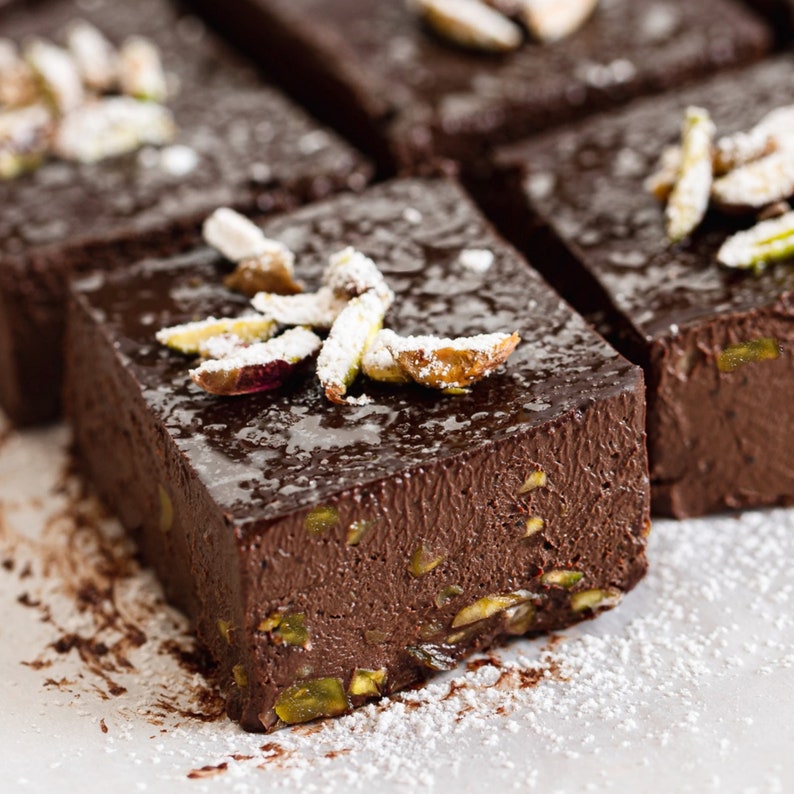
222,494
254,150
717,440
372,69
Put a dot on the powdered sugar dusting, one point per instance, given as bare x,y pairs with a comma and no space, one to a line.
696,665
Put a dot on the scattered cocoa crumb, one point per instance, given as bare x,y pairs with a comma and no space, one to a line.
336,753
208,771
28,601
103,726
239,757
8,564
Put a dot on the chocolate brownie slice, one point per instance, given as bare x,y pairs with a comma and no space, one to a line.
239,142
332,553
719,436
372,68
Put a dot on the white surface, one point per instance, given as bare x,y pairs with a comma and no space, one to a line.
687,686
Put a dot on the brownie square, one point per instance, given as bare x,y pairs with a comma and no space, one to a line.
717,439
256,506
248,146
374,71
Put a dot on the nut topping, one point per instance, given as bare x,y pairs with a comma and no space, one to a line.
470,24
689,198
141,72
17,80
96,58
24,139
261,367
189,337
58,73
315,309
552,20
379,364
765,181
766,242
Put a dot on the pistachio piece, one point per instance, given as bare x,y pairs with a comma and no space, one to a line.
379,364
537,479
351,334
423,561
661,183
757,184
141,73
487,606
689,197
552,20
17,81
358,530
768,241
470,24
224,629
367,683
237,238
447,594
266,273
287,628
222,346
321,519
57,73
592,600
350,273
562,578
534,524
240,676
519,619
96,58
187,338
774,132
735,356
310,700
315,309
431,656
24,139
166,510
112,126
452,363
261,367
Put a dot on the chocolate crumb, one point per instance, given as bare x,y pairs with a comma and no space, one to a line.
103,726
208,771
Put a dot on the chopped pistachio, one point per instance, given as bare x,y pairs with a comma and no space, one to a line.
309,700
595,599
537,479
661,183
24,139
351,334
423,561
18,85
166,510
286,628
222,346
766,242
321,519
447,594
552,20
367,683
58,74
187,338
689,198
431,656
735,356
756,184
487,606
358,530
534,524
225,630
141,73
430,629
350,273
452,363
314,309
237,238
379,364
470,24
519,619
262,366
774,132
240,676
562,578
112,126
96,58
463,634
269,273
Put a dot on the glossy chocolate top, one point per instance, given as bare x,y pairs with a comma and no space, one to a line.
264,455
398,68
587,184
247,140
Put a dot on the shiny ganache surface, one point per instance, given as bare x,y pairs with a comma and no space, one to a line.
266,455
246,139
586,183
